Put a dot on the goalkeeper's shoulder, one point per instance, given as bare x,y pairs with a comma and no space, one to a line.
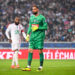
31,16
42,16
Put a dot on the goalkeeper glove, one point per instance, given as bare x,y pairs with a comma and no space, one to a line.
34,28
27,37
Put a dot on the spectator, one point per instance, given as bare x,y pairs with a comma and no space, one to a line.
60,16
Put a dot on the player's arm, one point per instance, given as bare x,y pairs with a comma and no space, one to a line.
29,28
22,31
44,27
28,32
7,33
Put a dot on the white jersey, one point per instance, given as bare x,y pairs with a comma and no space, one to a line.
15,32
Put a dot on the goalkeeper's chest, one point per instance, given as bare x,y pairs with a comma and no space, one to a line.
36,20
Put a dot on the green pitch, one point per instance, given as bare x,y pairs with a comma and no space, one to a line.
51,67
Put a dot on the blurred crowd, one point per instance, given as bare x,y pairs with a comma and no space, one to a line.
60,16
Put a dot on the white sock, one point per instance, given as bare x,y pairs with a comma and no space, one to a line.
16,57
29,66
13,59
40,67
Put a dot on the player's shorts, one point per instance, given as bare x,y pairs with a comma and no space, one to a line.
36,44
15,46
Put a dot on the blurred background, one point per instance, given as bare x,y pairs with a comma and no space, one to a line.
60,16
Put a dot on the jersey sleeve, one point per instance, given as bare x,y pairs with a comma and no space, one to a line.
29,28
22,31
7,31
22,28
44,27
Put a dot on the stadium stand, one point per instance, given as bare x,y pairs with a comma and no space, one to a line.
60,16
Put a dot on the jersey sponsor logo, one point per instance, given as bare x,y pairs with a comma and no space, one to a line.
16,31
35,25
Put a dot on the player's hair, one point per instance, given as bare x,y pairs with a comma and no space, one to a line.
35,6
17,17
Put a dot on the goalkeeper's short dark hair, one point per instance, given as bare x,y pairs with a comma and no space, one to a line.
35,6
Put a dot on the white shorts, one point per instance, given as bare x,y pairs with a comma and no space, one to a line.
15,46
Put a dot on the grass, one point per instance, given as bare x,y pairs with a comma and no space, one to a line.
51,67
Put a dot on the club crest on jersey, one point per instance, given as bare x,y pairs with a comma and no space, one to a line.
35,21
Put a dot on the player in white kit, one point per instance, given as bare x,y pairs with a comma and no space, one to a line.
15,30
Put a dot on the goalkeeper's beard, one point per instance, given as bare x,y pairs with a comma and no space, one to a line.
35,13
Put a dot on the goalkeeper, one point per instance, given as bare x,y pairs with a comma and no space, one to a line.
37,27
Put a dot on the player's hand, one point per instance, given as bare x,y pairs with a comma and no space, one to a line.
27,38
34,28
10,40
